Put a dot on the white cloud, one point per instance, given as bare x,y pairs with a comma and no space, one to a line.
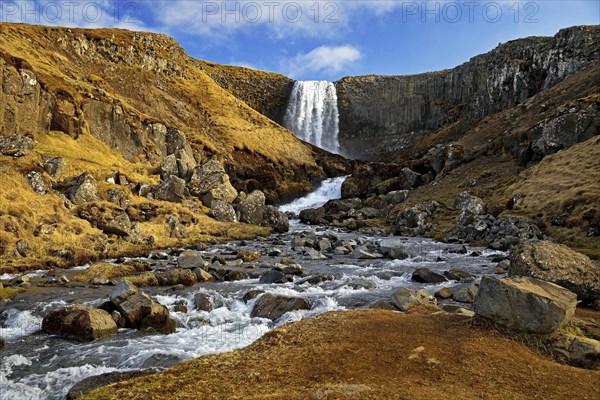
324,60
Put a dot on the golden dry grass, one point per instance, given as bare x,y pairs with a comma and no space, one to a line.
369,354
570,177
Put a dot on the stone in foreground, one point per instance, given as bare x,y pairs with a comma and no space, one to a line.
525,304
558,264
79,322
404,299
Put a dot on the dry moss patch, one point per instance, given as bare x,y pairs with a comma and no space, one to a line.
372,354
9,293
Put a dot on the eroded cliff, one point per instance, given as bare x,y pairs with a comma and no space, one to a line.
379,114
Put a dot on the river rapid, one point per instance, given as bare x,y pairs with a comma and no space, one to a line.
35,365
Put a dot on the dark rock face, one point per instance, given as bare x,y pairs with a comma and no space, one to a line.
381,113
82,189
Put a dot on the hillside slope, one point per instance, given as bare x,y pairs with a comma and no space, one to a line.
114,104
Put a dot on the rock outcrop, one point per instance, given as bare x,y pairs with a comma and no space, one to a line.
379,113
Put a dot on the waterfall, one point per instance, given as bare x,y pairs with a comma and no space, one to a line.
329,189
312,114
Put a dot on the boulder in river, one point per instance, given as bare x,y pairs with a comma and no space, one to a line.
525,304
393,248
252,208
176,276
79,322
558,264
278,220
140,310
425,275
274,306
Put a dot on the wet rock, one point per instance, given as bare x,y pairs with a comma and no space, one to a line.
203,276
16,146
235,276
176,276
393,248
1,343
222,211
313,216
251,294
36,181
203,302
278,220
365,255
457,274
79,322
316,255
294,269
525,304
55,167
190,259
274,306
273,277
323,244
210,182
94,382
171,189
425,275
82,189
252,208
404,299
140,310
316,279
558,264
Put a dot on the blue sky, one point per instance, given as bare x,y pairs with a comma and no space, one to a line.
322,39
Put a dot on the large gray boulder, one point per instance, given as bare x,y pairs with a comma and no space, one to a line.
210,182
171,189
558,264
79,322
252,208
274,306
525,304
222,211
168,167
278,220
176,276
393,248
55,167
83,189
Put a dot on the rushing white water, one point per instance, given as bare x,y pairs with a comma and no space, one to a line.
312,114
328,190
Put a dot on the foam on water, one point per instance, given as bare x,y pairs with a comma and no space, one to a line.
329,189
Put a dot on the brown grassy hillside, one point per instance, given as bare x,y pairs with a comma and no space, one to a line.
95,98
369,354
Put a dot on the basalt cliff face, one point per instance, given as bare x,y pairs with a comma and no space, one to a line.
115,142
383,114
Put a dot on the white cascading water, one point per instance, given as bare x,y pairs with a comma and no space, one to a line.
312,114
329,189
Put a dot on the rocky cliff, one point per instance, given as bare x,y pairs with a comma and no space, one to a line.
112,142
382,113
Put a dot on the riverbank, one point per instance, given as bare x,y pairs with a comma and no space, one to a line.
370,354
